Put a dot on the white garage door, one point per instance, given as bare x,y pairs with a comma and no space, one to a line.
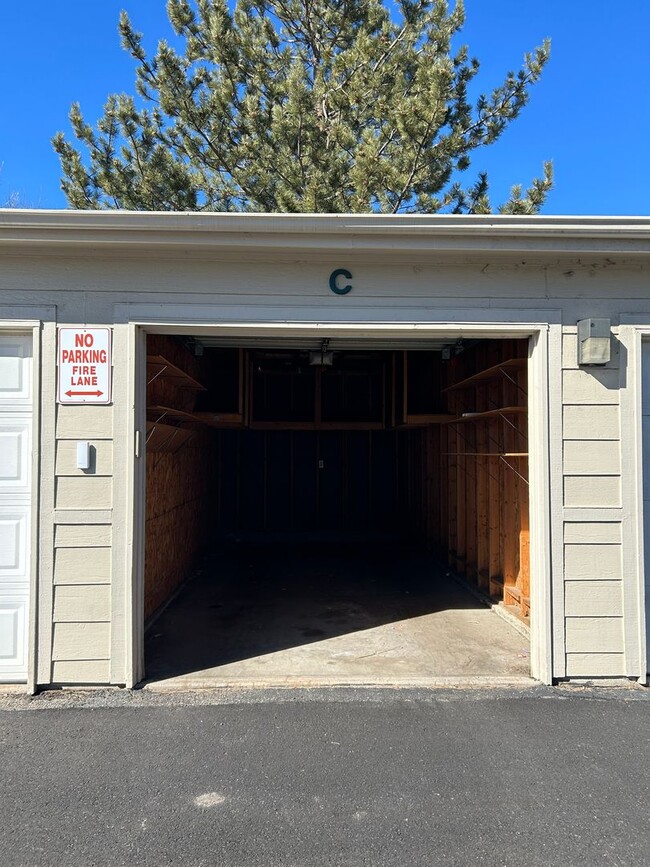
15,503
646,485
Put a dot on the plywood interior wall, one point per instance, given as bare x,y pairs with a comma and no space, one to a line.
484,524
179,491
295,484
179,473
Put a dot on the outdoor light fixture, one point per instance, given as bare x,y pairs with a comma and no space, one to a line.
594,341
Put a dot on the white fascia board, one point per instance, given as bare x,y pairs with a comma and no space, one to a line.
428,234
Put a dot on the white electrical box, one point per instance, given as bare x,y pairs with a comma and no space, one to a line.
594,341
83,455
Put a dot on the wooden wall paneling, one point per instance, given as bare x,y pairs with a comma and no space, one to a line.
330,477
515,486
427,505
278,491
305,480
510,516
357,482
434,486
442,463
483,461
227,474
461,519
178,473
178,499
384,491
493,352
161,437
248,388
426,487
215,517
399,478
173,351
404,370
409,441
415,467
237,499
523,579
421,501
471,462
242,403
452,483
392,491
495,487
264,492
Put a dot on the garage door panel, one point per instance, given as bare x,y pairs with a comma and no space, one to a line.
15,371
15,455
13,621
14,544
15,503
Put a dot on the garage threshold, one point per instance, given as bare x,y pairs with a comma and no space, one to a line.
289,616
175,684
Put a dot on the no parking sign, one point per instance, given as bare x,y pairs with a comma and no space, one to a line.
84,365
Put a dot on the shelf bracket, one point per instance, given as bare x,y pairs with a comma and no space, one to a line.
156,375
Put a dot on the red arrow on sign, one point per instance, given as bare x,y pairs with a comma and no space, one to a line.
84,393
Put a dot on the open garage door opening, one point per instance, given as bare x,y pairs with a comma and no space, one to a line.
323,511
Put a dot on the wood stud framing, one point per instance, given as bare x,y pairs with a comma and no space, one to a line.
484,469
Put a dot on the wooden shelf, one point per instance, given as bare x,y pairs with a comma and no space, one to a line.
489,373
490,413
169,412
486,454
160,367
165,437
422,420
220,419
316,425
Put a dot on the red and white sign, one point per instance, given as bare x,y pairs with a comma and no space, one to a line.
84,366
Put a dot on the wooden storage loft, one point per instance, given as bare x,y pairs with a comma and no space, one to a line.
377,391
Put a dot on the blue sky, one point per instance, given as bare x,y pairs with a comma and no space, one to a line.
590,113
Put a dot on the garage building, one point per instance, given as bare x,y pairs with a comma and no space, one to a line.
323,440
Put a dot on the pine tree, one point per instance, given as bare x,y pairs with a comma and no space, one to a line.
300,106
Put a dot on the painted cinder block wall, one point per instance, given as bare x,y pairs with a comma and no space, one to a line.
103,272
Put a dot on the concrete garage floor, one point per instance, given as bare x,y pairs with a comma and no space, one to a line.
311,616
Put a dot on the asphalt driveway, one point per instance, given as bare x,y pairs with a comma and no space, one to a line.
326,777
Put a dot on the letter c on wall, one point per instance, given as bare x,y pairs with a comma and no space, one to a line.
334,286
